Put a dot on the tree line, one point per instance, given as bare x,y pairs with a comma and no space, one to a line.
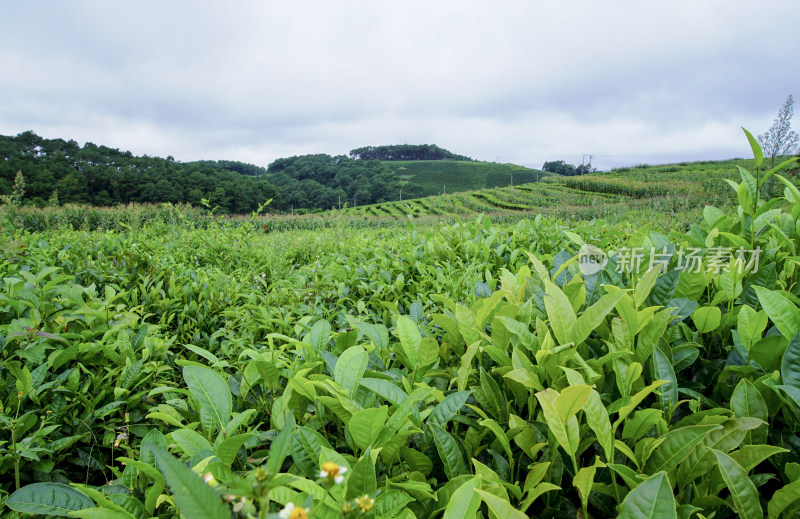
325,181
63,170
563,168
103,176
405,152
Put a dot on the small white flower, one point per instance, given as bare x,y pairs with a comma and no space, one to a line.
332,471
293,512
287,510
240,505
208,477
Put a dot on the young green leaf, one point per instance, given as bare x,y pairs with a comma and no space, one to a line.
465,500
279,448
191,442
192,495
409,340
651,499
758,154
500,507
350,367
584,481
365,425
384,389
212,391
780,310
559,312
593,316
707,318
362,479
599,423
743,492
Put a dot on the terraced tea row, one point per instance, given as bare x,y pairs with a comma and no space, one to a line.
678,186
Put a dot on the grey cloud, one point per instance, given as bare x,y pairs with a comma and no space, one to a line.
528,81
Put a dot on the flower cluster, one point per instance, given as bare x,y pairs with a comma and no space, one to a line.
363,503
332,472
290,511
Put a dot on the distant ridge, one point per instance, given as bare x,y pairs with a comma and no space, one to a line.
405,152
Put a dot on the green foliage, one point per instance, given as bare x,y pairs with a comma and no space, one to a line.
102,176
205,369
405,152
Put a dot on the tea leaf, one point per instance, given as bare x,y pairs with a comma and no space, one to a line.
790,364
362,478
365,425
743,491
48,499
651,499
350,367
781,499
449,452
465,500
677,445
500,507
783,313
211,391
192,495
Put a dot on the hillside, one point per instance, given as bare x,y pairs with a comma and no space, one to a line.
62,171
672,187
444,176
58,171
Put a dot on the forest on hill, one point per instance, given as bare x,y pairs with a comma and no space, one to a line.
103,176
64,171
406,152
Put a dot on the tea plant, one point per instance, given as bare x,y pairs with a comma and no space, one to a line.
203,367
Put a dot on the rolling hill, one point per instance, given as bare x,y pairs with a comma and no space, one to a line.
671,188
445,176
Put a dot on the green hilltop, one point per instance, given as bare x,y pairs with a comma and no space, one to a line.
671,188
445,176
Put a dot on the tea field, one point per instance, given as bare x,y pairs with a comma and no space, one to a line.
670,189
452,176
158,362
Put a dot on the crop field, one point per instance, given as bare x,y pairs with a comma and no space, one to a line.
449,176
674,188
615,345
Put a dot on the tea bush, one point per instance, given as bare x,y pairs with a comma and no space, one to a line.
213,368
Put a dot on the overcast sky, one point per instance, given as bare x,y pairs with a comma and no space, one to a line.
525,82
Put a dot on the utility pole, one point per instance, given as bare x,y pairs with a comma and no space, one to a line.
401,194
445,189
340,202
583,159
512,179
